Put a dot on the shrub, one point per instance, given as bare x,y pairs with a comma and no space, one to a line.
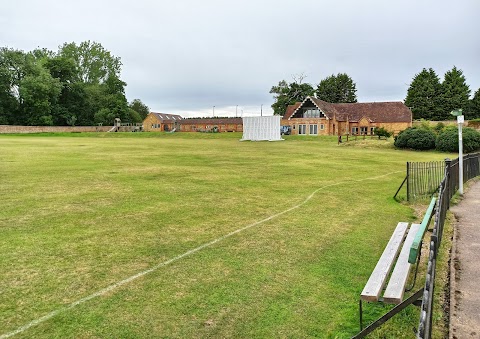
424,124
416,138
382,132
447,140
439,127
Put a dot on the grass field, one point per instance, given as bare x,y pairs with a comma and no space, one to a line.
84,211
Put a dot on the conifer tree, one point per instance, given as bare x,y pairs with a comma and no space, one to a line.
423,95
337,88
473,111
455,93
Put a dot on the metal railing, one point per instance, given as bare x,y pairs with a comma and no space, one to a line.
424,178
448,187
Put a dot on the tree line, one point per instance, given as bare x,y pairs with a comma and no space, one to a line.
427,97
76,85
430,99
334,89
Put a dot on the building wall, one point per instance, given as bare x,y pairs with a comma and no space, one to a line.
152,124
471,124
396,127
332,127
52,129
295,122
208,126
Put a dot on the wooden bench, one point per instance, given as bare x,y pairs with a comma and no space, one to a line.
396,286
400,259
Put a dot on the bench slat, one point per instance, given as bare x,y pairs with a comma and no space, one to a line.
377,279
396,286
415,248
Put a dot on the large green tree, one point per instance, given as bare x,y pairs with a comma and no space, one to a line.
38,96
289,93
13,68
80,84
70,104
138,106
337,88
473,111
454,92
8,100
99,73
94,63
424,96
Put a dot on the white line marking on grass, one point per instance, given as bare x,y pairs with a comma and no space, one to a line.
178,257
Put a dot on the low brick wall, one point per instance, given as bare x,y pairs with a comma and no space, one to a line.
467,123
52,129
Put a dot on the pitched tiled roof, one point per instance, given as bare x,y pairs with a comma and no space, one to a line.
164,117
291,109
212,121
373,111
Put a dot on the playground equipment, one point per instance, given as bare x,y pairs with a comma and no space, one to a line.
118,126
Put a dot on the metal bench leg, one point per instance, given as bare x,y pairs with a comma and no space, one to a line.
416,268
410,300
361,314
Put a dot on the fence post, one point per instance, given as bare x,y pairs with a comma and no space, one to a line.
408,181
448,163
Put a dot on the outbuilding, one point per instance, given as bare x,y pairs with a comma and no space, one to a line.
156,122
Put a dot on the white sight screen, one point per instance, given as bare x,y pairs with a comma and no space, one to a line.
261,128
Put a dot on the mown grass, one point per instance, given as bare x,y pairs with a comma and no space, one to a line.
83,211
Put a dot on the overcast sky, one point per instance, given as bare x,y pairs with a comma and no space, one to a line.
186,56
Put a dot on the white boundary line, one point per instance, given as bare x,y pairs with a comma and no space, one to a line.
178,257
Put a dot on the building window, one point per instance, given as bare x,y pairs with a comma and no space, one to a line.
363,130
302,129
322,127
311,113
372,130
354,130
313,129
294,127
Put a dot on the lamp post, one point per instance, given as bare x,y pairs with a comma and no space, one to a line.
236,111
214,111
261,110
460,120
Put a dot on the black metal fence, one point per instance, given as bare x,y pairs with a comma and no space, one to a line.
424,178
448,187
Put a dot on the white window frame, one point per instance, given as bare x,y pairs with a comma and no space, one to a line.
322,127
354,130
302,129
314,128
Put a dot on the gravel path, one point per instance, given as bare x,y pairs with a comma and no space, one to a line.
465,270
